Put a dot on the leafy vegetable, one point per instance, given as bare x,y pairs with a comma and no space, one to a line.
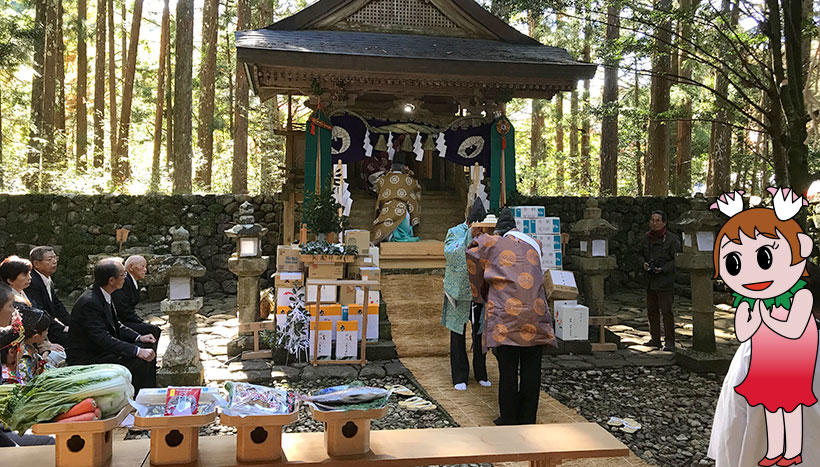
57,390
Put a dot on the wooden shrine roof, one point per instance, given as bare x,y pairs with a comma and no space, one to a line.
412,47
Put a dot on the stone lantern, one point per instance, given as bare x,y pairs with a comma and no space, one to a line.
594,260
247,263
180,363
698,227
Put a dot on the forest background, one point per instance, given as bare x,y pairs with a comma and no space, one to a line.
136,96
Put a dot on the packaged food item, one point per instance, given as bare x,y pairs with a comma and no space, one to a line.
182,401
251,399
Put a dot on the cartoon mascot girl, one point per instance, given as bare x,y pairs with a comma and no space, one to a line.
760,253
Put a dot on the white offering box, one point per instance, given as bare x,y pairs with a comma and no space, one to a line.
542,225
325,339
328,293
529,212
551,260
549,242
373,295
571,321
347,340
284,294
355,314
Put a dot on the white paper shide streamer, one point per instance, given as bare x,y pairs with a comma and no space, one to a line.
368,148
417,148
441,146
390,149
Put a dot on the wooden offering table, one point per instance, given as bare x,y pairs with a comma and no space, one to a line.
541,445
174,439
347,433
82,444
258,437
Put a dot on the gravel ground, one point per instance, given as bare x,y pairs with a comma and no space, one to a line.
674,407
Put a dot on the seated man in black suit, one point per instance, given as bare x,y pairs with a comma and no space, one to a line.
97,336
43,295
126,299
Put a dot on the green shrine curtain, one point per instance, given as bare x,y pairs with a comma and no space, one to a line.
317,145
502,145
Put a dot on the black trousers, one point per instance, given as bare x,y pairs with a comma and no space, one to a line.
659,305
459,365
519,385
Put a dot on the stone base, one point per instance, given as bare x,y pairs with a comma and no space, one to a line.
190,377
703,362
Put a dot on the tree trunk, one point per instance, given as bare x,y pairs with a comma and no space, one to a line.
683,156
229,53
720,155
59,117
537,144
609,123
163,52
639,176
794,105
35,146
271,152
586,179
123,171
210,30
574,171
82,88
99,84
112,89
239,169
123,50
559,143
50,83
169,104
657,154
182,96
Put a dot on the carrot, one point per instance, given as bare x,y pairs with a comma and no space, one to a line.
83,417
87,405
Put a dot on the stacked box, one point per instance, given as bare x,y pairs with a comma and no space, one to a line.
533,221
358,238
355,314
347,347
287,258
571,321
325,339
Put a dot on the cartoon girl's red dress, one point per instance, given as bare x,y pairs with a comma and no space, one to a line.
781,369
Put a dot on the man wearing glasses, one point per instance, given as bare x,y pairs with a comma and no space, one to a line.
43,295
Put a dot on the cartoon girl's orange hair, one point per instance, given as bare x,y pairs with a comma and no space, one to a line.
763,221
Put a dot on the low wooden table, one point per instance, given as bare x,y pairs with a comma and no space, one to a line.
541,445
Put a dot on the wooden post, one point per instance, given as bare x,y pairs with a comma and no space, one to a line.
365,309
316,328
339,193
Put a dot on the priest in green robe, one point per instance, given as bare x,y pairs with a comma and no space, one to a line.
459,307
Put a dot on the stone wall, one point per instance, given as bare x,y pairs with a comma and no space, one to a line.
79,226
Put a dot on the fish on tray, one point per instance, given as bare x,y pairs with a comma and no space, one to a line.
341,395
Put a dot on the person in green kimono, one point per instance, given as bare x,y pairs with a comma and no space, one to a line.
458,305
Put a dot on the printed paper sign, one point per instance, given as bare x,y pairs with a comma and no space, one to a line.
599,248
706,241
347,340
325,341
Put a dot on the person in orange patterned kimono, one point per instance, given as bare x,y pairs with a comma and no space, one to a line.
505,275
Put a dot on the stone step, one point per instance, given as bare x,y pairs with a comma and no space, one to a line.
381,350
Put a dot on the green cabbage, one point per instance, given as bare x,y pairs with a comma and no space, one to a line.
57,390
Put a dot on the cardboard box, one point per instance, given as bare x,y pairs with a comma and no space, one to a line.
359,238
347,294
571,322
355,314
290,280
325,342
551,260
543,225
287,258
373,295
549,242
370,274
326,270
560,285
328,293
347,347
529,212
